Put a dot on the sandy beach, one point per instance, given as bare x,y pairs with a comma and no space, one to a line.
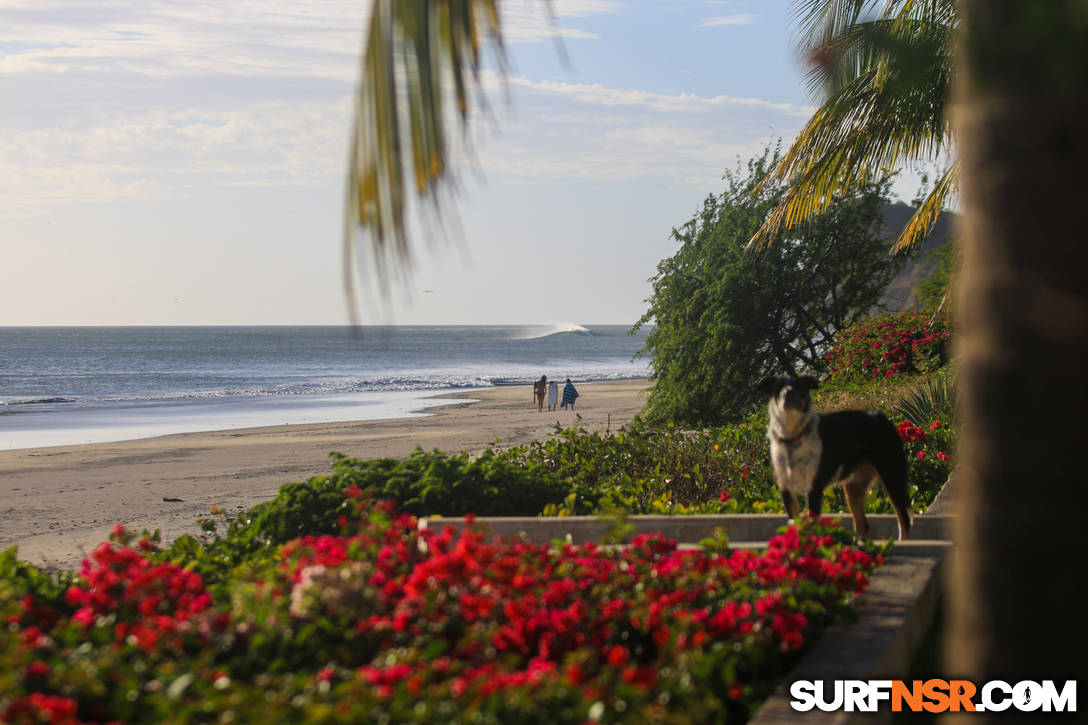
57,503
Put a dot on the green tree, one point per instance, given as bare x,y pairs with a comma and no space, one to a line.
724,318
933,292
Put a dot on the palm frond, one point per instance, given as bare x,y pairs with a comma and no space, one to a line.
819,20
867,130
886,80
925,216
414,48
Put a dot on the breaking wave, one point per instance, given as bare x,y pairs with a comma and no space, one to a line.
533,332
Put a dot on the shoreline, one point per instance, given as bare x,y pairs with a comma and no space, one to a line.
57,503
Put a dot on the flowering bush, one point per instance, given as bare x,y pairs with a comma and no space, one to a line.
389,622
144,602
888,345
929,458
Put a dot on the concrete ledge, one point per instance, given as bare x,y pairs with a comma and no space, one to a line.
687,529
893,616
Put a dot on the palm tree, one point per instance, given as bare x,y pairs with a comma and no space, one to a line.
1021,114
885,80
1021,117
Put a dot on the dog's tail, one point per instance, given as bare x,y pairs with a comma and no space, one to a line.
893,472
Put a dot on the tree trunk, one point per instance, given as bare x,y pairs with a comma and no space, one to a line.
1021,119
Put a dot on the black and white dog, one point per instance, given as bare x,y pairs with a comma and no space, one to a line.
809,452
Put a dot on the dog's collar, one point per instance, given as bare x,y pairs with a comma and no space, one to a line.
794,440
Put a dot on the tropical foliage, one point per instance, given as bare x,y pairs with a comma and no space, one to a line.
933,399
935,291
724,318
884,75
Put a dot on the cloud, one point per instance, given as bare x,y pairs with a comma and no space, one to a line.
168,39
167,153
734,19
157,98
591,131
598,94
529,22
153,98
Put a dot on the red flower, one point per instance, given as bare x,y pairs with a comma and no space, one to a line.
36,669
618,656
38,707
641,676
910,432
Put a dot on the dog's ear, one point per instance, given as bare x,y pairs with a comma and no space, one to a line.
807,382
771,386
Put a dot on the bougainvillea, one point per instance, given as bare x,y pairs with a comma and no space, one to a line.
394,621
929,457
144,601
904,343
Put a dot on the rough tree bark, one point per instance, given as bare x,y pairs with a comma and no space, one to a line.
1021,120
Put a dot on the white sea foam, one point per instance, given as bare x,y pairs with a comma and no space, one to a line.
532,332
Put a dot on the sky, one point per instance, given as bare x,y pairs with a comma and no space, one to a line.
181,162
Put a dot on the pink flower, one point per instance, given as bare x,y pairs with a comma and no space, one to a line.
942,456
921,455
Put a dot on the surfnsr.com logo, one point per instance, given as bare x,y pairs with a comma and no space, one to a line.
933,696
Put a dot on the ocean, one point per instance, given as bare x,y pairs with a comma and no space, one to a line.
76,385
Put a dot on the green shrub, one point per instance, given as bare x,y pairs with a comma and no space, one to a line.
424,483
654,469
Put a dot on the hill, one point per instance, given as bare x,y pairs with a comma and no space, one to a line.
900,293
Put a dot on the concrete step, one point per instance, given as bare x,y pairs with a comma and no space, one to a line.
686,529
